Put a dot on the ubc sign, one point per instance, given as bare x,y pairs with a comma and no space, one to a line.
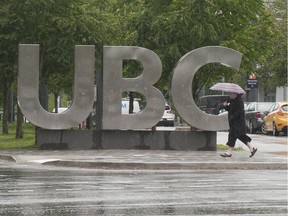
114,85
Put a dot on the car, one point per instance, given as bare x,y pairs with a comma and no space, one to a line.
168,117
60,109
276,119
246,104
254,114
211,104
225,112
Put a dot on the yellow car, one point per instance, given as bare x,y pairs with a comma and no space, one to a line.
277,119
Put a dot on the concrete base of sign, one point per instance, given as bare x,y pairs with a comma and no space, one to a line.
131,139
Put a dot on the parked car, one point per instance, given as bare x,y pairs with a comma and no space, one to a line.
276,119
168,117
225,112
254,114
210,104
60,109
246,105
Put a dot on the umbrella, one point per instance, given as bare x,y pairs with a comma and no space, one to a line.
228,87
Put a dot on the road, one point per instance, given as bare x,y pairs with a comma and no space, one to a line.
37,190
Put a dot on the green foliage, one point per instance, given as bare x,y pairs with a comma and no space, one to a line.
273,69
57,26
173,28
64,101
169,28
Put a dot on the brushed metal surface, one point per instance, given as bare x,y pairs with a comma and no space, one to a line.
83,88
114,84
181,90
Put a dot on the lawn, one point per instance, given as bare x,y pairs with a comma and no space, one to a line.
222,147
8,141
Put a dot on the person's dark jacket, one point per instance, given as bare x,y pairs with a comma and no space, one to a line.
236,116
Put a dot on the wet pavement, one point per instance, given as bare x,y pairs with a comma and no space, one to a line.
59,191
145,159
276,145
143,182
271,154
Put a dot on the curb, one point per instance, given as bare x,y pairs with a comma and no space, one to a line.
169,166
154,166
8,158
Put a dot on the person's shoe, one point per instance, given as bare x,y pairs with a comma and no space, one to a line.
226,155
253,152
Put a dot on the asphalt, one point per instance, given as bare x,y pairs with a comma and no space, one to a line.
146,159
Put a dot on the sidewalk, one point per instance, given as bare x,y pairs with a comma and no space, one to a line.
147,159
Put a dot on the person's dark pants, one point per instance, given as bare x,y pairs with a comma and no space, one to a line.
232,139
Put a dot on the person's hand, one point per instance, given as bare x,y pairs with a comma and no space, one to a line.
225,103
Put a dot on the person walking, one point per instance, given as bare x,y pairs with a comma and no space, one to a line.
236,118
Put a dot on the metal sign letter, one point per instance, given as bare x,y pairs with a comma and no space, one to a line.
181,92
114,85
28,88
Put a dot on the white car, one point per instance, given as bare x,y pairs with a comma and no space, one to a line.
168,117
60,109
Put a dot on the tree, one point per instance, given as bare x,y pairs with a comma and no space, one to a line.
57,26
173,28
273,69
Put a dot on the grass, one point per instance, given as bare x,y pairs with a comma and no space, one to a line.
8,141
221,147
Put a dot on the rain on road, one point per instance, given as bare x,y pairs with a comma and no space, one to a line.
42,190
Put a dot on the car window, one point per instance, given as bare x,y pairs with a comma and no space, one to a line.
262,107
285,107
272,108
246,104
212,101
247,107
276,107
203,102
251,107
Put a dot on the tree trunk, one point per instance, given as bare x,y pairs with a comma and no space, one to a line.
19,128
89,122
131,102
56,102
5,108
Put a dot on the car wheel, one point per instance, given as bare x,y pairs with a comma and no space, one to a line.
263,129
275,132
251,129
